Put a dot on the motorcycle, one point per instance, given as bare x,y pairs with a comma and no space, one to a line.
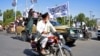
54,47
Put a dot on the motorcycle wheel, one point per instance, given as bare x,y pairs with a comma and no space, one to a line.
64,51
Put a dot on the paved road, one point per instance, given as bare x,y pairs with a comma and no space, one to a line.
14,47
86,48
90,47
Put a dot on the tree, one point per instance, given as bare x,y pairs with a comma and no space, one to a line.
86,20
9,16
91,23
71,20
18,13
80,17
1,22
65,20
60,20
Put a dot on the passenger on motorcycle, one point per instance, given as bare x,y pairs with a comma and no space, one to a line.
45,28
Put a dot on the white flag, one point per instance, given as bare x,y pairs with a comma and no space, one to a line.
59,11
14,3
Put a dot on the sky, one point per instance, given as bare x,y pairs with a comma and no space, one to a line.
75,6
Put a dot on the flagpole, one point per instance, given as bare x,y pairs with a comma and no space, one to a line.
15,8
26,4
68,14
64,20
15,12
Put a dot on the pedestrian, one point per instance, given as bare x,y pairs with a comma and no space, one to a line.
21,22
30,23
16,23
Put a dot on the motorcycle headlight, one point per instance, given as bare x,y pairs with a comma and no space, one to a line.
61,37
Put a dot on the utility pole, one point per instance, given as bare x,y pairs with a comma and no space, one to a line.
91,14
15,8
69,15
14,4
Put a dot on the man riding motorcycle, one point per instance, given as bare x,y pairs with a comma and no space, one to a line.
46,41
44,27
